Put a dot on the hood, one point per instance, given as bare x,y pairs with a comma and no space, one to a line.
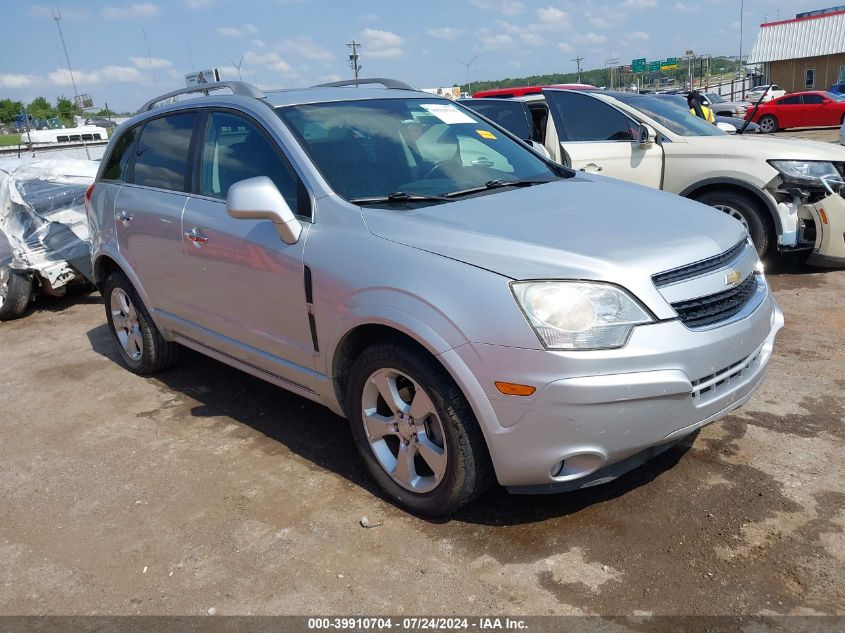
766,147
582,228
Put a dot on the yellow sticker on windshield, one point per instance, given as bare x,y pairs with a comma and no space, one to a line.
486,134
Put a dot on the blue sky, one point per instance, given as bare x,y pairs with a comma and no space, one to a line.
287,43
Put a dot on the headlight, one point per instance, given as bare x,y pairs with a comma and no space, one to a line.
809,173
576,315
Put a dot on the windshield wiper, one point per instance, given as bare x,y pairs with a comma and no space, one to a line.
400,196
496,184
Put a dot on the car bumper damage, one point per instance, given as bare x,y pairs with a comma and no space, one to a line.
43,220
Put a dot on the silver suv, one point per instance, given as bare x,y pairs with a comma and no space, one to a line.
474,309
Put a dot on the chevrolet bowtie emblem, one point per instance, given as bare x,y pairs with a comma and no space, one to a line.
733,277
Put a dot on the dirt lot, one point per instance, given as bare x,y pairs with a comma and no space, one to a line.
204,487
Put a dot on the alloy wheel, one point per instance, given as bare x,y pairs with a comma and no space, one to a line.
404,430
125,323
767,124
736,215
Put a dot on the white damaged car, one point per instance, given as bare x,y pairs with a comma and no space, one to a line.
44,245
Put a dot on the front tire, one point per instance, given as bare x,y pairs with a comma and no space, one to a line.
744,209
415,430
15,293
768,124
141,346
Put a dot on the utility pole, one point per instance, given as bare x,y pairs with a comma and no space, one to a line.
609,65
467,65
739,60
57,16
353,57
578,61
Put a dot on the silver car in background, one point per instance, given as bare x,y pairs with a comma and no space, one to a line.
475,310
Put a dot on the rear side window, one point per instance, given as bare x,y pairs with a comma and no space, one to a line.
795,100
813,99
585,118
120,156
234,149
162,159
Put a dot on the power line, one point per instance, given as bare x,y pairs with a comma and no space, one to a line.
578,61
353,57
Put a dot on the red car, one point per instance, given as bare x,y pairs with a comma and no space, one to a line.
521,91
800,109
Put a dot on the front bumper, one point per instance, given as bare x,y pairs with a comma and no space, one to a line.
595,409
829,218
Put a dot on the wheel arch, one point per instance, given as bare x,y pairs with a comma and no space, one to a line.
106,263
740,186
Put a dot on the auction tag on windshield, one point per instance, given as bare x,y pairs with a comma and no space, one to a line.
486,134
447,113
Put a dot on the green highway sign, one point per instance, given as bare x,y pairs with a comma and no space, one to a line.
671,63
654,67
638,65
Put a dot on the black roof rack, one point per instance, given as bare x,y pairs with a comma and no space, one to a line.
237,88
393,84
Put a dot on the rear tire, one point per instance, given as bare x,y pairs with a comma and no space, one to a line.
141,346
743,208
768,124
425,420
15,293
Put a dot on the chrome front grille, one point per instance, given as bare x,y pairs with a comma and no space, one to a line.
698,268
714,308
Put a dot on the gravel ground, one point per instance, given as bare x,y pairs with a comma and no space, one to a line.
206,488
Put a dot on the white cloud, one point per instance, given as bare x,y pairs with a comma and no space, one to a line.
496,40
563,47
198,4
130,12
39,11
269,60
552,18
305,47
150,62
282,66
258,43
16,81
382,44
505,7
640,4
636,36
532,39
122,74
593,38
682,7
445,33
238,31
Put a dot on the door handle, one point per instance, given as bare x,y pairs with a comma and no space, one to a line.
124,216
592,168
195,236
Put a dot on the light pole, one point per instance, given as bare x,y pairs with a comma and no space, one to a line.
57,16
468,64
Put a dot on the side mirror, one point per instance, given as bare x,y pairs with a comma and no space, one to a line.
726,127
647,135
259,199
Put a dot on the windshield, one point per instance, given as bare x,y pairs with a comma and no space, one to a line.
672,113
422,147
714,98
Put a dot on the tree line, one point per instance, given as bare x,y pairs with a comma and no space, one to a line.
41,108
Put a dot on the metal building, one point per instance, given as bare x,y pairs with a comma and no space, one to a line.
804,53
